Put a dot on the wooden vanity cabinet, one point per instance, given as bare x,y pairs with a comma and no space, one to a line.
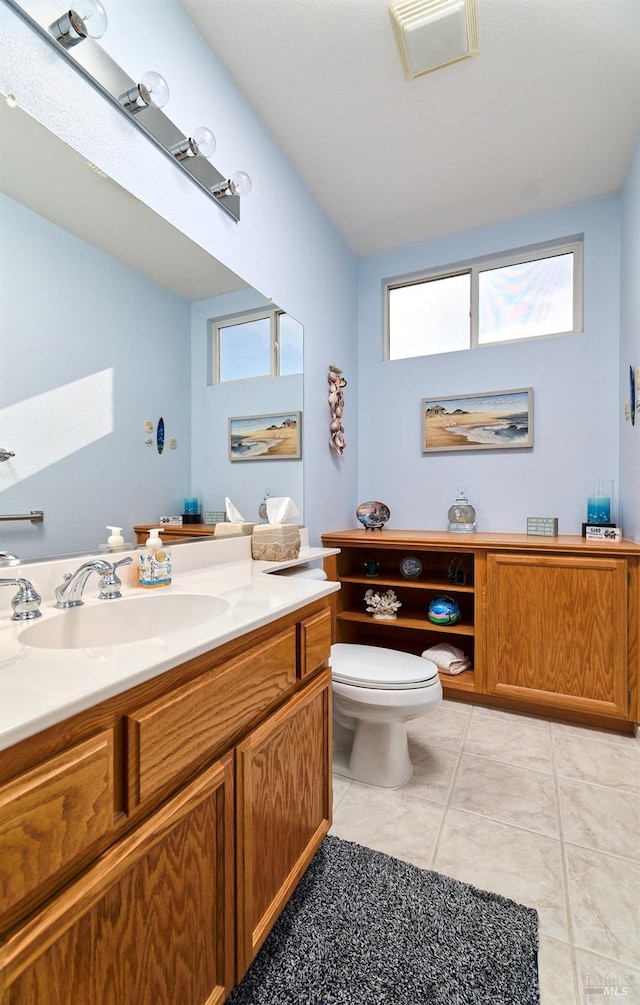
212,792
551,624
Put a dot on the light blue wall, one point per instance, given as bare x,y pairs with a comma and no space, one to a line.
630,346
214,475
89,351
574,378
284,245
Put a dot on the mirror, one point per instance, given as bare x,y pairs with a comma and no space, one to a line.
106,314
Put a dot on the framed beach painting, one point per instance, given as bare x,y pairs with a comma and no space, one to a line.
490,421
276,436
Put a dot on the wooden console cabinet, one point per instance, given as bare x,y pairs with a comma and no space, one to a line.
149,844
551,625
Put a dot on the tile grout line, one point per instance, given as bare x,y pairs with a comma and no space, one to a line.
565,875
454,775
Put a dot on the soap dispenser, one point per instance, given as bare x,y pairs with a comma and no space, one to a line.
155,562
115,540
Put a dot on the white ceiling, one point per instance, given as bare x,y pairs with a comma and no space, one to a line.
546,115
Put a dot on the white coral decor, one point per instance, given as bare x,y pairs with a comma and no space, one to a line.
383,606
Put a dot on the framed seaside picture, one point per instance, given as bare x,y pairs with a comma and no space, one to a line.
491,421
275,436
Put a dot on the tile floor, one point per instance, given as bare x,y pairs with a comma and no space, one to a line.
545,813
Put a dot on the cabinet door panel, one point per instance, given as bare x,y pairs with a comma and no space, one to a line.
52,814
150,924
283,807
557,631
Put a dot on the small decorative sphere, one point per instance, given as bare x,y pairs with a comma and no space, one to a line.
443,611
373,515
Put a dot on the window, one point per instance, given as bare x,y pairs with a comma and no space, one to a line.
518,296
257,344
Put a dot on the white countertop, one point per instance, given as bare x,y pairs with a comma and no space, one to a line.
41,687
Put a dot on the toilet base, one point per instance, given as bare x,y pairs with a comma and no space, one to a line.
379,755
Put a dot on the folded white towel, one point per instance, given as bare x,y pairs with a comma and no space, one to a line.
447,658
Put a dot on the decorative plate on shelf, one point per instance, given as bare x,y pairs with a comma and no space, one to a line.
411,567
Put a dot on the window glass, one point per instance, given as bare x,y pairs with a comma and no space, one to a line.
245,349
518,295
429,317
290,341
526,300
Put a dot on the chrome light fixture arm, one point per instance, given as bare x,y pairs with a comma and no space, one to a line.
129,98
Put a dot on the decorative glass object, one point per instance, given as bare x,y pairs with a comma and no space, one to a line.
462,515
599,495
443,610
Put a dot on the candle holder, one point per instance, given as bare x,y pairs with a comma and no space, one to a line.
599,496
191,510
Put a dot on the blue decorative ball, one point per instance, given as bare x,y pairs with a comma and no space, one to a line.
443,611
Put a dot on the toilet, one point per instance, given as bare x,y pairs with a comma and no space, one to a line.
375,693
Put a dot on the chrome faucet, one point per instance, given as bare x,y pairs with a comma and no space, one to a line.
110,583
69,593
26,602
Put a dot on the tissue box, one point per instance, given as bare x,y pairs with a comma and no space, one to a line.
275,542
227,529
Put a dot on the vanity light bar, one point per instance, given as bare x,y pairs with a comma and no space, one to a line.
110,80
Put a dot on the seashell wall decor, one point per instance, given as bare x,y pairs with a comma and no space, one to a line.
337,440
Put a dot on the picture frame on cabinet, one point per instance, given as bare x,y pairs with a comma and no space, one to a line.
495,420
275,436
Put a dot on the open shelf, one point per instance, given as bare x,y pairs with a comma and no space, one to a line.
406,621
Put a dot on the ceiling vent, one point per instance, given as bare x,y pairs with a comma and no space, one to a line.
434,33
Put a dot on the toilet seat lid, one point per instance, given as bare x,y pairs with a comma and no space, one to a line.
383,669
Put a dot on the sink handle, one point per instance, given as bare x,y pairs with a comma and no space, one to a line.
26,602
110,583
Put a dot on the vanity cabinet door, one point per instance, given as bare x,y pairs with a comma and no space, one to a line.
52,816
151,923
557,631
283,809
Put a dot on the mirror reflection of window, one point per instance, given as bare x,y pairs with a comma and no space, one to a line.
265,344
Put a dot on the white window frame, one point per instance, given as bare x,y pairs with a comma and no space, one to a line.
244,317
533,253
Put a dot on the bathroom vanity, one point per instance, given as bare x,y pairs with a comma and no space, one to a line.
551,625
149,840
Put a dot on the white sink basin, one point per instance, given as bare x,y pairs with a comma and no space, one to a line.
117,622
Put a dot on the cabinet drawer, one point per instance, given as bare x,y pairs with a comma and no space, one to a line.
52,814
315,643
168,736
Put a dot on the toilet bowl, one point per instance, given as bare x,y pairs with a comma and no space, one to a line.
375,693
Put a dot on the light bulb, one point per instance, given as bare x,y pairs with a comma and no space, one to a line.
204,141
152,90
88,19
156,88
240,183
